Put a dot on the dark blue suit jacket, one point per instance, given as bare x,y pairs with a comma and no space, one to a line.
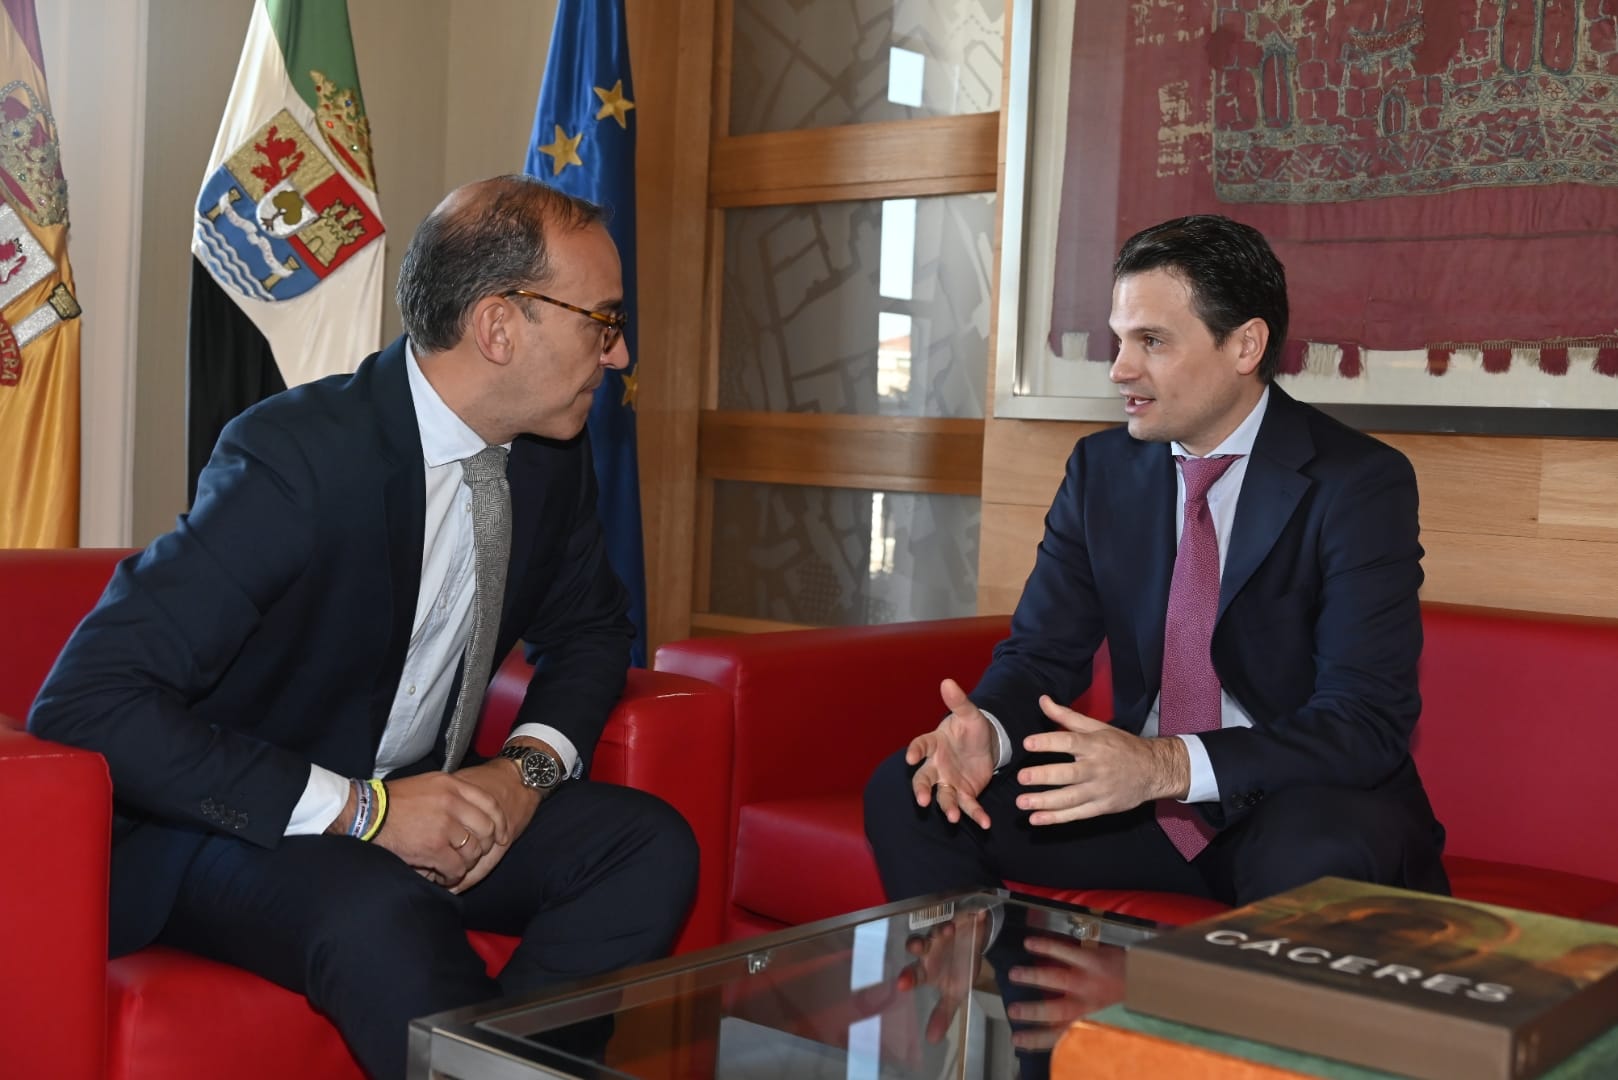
1319,626
269,629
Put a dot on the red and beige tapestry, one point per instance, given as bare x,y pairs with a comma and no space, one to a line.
1434,174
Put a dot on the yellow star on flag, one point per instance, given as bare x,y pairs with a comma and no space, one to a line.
614,104
564,151
631,389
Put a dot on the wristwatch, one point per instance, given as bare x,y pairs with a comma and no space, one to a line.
538,768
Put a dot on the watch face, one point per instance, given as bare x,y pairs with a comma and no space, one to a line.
540,770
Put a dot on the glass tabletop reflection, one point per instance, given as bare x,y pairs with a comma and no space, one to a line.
970,985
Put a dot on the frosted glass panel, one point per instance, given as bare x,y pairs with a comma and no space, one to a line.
877,307
842,557
815,63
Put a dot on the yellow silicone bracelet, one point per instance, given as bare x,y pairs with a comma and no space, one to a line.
380,791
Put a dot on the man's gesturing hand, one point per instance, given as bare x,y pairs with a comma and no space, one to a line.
1111,771
957,758
441,824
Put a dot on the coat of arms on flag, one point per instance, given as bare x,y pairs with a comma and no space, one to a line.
31,176
24,264
277,217
286,275
30,158
39,315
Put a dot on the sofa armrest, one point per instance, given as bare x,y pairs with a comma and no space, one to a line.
816,710
669,736
56,806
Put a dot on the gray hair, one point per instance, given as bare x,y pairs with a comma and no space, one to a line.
487,244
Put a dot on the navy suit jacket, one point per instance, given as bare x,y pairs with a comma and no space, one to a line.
1319,626
269,629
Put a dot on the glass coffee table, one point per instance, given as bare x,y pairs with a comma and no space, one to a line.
971,985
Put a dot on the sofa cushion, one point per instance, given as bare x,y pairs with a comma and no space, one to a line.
174,1016
1533,889
798,860
251,1026
777,841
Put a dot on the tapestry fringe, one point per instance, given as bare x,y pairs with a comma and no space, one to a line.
1553,357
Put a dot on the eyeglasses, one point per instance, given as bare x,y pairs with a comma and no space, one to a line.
613,326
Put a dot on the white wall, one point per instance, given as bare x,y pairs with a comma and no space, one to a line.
95,69
496,60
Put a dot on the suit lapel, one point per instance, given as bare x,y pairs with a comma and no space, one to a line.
405,509
1144,514
1271,492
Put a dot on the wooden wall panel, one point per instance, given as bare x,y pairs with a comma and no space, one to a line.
1577,577
937,156
709,624
1007,540
1578,492
1017,457
1468,480
672,42
884,453
1523,523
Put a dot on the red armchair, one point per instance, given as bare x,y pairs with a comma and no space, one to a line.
69,1014
1515,744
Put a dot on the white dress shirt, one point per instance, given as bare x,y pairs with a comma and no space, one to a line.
443,620
1222,499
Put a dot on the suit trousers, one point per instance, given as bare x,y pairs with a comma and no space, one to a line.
602,878
1386,835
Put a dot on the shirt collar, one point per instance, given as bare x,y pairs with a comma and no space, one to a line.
445,437
1239,441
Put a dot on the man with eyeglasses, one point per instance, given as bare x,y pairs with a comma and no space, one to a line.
284,687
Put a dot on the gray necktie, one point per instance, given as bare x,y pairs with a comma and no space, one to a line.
485,474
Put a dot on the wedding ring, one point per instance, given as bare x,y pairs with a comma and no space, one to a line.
464,840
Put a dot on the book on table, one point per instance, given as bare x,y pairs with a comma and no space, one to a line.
1116,1044
1413,983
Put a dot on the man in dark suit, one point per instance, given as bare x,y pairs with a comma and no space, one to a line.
276,684
1255,581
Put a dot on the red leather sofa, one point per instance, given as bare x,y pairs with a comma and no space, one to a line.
66,1013
1517,741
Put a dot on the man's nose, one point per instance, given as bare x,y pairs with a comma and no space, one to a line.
1124,367
617,357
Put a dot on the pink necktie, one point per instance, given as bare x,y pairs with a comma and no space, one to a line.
1190,694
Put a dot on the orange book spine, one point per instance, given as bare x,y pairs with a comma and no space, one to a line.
1093,1051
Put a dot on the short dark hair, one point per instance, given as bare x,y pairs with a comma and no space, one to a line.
490,245
1229,267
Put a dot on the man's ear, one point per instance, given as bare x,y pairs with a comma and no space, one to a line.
490,326
1250,339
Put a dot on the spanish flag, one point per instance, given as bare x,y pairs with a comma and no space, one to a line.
39,328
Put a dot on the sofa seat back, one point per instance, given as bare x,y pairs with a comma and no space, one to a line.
1519,736
44,595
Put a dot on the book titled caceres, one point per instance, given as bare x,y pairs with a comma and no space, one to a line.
1412,983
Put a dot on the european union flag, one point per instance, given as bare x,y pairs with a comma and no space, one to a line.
584,144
